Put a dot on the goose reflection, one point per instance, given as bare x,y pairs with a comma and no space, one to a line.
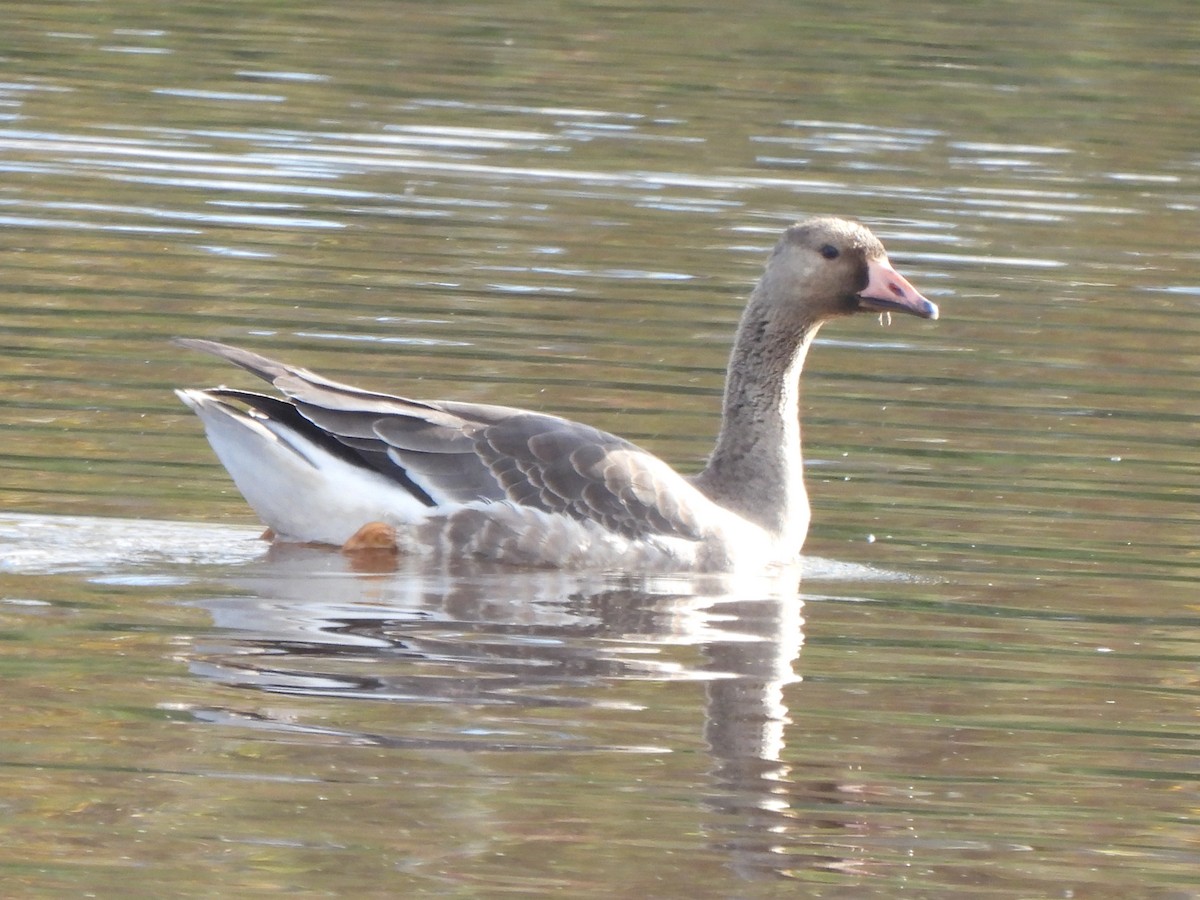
303,623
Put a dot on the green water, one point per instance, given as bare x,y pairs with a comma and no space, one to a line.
985,684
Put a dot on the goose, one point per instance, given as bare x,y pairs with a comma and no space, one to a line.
330,463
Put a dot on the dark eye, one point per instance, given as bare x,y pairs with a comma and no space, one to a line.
830,252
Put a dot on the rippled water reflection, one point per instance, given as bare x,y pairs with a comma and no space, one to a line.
989,687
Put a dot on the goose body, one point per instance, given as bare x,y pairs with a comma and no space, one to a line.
466,480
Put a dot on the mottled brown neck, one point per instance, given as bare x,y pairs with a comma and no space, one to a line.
756,469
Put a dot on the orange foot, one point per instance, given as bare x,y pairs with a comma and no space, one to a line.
374,537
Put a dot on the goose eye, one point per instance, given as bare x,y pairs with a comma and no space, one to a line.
830,252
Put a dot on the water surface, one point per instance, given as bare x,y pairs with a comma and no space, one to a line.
983,683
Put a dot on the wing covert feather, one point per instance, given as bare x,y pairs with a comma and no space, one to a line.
462,452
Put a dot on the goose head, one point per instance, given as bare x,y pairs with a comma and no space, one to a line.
827,267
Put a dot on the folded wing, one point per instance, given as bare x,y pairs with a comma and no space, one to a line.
448,453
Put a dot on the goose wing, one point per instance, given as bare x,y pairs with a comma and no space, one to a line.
454,452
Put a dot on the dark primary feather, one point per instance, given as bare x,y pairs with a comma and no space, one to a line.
370,454
461,452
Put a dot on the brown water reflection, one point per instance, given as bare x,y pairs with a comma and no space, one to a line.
457,724
562,210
